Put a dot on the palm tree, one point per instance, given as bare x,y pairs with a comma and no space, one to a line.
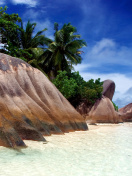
28,40
21,42
64,51
33,44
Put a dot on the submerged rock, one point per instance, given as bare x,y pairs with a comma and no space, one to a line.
31,106
126,113
108,88
103,112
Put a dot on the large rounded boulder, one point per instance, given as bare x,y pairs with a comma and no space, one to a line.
103,112
31,106
126,113
108,89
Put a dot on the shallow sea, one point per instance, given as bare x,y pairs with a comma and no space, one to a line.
104,150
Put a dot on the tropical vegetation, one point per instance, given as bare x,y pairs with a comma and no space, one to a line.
48,55
64,51
76,89
115,106
54,57
20,42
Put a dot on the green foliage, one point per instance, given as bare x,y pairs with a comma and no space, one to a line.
19,42
11,35
64,51
9,28
67,86
115,106
17,52
57,60
75,89
28,41
92,90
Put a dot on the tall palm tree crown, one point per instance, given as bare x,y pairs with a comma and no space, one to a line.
34,44
28,40
64,51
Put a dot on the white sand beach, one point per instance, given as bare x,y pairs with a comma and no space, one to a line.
104,150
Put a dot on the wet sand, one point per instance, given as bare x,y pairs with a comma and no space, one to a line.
104,150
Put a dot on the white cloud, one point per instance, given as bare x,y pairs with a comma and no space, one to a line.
123,84
34,17
82,67
31,14
46,24
123,101
129,91
31,3
104,52
108,51
103,45
98,57
2,2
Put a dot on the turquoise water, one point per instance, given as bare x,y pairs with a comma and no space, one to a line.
104,150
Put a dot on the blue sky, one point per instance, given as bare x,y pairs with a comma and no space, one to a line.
106,26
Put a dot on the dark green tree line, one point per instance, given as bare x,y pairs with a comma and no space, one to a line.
76,89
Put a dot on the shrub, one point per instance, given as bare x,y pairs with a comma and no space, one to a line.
115,106
75,89
67,86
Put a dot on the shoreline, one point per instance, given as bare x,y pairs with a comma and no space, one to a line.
96,151
98,125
